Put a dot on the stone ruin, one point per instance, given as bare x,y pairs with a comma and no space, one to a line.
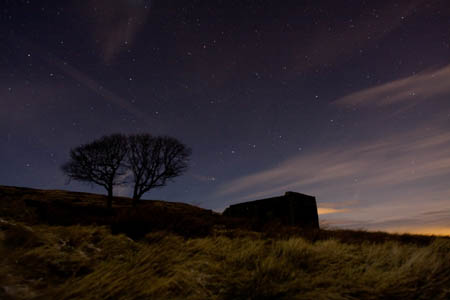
292,209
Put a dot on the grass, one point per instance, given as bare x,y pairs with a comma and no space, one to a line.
88,262
62,245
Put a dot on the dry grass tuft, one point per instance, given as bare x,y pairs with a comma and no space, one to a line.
177,251
86,262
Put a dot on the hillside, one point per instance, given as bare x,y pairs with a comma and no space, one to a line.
24,203
185,252
55,207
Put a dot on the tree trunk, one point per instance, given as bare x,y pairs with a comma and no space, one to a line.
135,200
109,198
135,197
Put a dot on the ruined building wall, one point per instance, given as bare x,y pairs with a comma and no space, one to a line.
291,209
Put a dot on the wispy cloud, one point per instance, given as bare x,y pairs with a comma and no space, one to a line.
396,160
328,210
382,180
343,38
203,178
419,87
85,80
115,24
95,87
429,222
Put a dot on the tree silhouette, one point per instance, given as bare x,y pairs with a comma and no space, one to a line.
99,162
155,160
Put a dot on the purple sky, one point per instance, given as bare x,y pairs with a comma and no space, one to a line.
348,101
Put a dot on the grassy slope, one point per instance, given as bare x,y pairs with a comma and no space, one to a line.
54,207
13,202
88,262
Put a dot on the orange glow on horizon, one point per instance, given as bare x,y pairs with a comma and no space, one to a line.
327,210
441,231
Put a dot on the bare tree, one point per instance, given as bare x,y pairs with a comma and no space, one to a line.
99,162
155,160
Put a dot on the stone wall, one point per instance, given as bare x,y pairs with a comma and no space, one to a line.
291,209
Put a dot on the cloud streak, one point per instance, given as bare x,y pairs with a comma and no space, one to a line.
342,39
376,181
413,89
429,222
115,24
328,210
85,80
393,161
95,87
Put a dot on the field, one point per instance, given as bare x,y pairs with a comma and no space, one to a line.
223,261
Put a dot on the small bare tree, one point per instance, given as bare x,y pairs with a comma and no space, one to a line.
99,162
155,160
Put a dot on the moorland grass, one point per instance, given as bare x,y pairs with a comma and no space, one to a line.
88,262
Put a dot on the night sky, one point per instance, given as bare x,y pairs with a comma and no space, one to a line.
347,100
